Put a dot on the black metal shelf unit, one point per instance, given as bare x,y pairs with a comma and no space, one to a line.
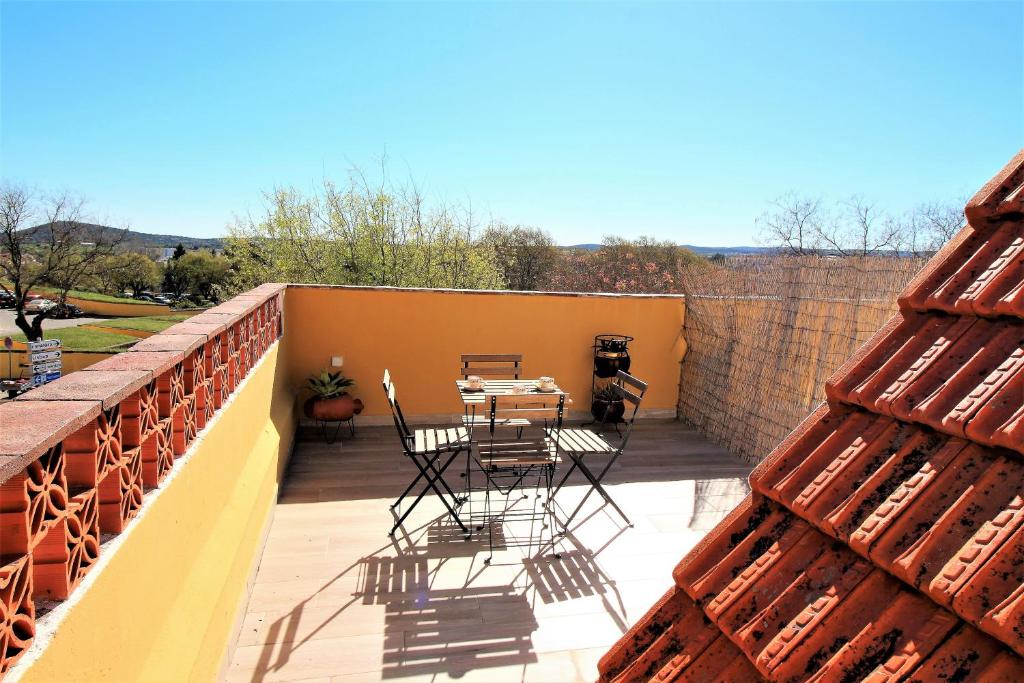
611,354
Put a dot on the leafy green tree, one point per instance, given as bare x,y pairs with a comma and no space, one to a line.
132,271
360,234
199,273
524,256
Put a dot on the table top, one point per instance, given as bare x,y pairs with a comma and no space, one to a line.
503,387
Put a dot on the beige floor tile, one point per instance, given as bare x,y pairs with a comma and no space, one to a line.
336,599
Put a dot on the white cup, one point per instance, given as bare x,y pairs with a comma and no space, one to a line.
547,382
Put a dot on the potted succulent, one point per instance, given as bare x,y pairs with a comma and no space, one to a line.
607,405
330,400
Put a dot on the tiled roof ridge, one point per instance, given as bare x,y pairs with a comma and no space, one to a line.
888,527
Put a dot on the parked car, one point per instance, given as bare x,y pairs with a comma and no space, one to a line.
39,305
67,311
6,300
153,298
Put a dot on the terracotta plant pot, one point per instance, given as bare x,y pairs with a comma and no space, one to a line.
339,408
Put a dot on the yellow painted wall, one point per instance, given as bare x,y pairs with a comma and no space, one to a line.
71,360
164,608
420,334
111,309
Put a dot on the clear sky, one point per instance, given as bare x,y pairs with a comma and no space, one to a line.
674,120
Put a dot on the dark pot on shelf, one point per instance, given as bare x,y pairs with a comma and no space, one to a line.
338,408
608,363
613,345
607,411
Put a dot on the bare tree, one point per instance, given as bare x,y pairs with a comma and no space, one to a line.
930,225
794,224
61,251
857,227
860,229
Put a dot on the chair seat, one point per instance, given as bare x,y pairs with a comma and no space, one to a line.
580,441
433,440
508,453
484,421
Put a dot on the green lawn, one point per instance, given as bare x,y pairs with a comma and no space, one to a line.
78,339
89,296
149,323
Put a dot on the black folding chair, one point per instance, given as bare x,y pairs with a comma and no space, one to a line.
495,366
432,451
507,455
505,365
579,443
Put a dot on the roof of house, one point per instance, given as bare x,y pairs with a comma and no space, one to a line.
884,538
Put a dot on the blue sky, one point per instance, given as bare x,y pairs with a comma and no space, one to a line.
674,120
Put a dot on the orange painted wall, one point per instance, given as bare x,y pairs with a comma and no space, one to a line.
419,335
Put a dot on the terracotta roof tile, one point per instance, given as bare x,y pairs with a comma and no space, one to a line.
886,533
968,655
1002,195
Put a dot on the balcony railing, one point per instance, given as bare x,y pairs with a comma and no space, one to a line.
79,457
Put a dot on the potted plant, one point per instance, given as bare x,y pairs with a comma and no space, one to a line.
330,400
607,405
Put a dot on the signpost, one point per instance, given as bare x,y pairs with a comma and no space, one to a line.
9,345
44,357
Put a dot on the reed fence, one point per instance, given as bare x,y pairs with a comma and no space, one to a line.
765,332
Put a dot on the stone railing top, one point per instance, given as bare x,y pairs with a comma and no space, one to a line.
29,428
109,387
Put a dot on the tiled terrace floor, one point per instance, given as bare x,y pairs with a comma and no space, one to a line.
336,600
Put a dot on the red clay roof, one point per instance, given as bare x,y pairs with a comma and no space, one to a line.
884,538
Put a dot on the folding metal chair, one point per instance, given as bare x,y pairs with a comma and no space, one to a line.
579,443
504,365
507,457
491,366
432,451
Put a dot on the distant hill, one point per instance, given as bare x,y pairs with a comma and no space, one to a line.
41,233
703,251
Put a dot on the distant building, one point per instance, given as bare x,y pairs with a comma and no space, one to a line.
165,254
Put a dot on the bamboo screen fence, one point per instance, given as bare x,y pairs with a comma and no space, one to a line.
765,332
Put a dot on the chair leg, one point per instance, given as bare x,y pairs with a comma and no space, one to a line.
565,478
426,470
550,502
431,462
487,518
595,485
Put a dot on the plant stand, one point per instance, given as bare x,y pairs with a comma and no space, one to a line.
611,353
330,438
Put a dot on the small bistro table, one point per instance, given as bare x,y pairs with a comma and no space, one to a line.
474,400
477,402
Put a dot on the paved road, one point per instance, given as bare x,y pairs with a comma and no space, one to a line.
7,326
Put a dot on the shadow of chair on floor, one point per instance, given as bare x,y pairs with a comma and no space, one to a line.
450,631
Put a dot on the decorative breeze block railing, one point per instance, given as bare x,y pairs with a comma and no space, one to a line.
79,455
